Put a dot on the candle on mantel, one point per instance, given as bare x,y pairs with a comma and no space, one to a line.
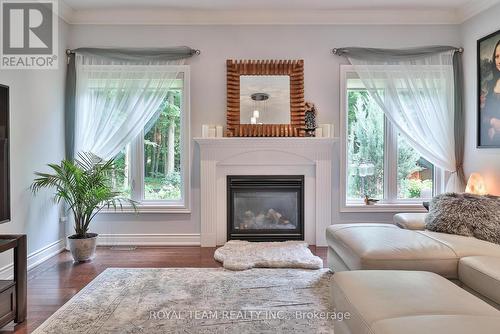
204,130
256,114
326,130
253,120
219,131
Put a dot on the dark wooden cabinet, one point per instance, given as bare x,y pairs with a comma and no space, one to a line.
7,301
13,292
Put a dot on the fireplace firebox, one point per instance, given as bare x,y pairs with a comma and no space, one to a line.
265,208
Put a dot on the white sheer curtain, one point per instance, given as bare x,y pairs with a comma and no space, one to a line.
417,96
115,100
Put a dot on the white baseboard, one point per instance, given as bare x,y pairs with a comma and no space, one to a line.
148,240
36,258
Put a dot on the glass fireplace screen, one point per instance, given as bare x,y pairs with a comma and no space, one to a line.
264,208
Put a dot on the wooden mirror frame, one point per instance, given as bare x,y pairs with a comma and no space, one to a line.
292,68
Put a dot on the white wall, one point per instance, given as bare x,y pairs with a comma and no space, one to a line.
208,83
37,122
37,138
485,161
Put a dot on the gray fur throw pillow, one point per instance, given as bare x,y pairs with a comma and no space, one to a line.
465,214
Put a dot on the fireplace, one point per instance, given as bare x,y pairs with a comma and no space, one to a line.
265,208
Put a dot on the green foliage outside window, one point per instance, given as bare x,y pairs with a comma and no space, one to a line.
365,144
409,163
365,136
162,152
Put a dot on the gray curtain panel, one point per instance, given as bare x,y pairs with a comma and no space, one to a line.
391,54
388,55
459,117
132,55
69,109
139,56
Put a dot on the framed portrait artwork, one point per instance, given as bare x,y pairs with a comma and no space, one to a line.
488,81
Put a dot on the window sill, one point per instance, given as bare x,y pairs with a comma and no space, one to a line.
148,208
413,207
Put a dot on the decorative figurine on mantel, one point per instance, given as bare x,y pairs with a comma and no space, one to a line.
310,119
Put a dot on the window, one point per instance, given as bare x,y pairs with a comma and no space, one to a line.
153,169
415,174
365,152
379,162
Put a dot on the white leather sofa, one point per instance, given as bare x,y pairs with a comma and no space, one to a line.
392,277
410,302
389,247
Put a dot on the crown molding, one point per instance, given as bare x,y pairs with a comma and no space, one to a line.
473,8
65,12
164,16
261,17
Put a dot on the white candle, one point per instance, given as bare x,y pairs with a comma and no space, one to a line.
319,132
256,114
204,130
326,130
253,120
211,132
218,130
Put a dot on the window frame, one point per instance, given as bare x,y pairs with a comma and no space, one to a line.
390,203
136,164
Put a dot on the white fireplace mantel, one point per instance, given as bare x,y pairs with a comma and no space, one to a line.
311,157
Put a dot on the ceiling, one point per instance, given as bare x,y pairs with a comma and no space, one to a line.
272,11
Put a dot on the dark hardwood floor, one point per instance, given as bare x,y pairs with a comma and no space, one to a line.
55,281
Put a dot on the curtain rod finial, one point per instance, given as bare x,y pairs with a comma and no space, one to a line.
197,52
338,52
69,52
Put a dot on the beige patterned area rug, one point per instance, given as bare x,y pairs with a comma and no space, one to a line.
192,300
242,255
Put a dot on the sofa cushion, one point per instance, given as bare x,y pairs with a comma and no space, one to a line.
465,246
385,246
377,295
410,221
481,274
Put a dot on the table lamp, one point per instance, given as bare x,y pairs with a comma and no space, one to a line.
476,185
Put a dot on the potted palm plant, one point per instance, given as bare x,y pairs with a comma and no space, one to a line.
84,185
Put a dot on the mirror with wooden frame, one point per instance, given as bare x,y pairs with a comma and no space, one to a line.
265,98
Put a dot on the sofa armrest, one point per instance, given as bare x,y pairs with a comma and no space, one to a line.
410,221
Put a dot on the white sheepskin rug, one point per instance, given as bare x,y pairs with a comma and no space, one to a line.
242,255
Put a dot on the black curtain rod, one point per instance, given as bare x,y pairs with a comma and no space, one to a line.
70,52
335,51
